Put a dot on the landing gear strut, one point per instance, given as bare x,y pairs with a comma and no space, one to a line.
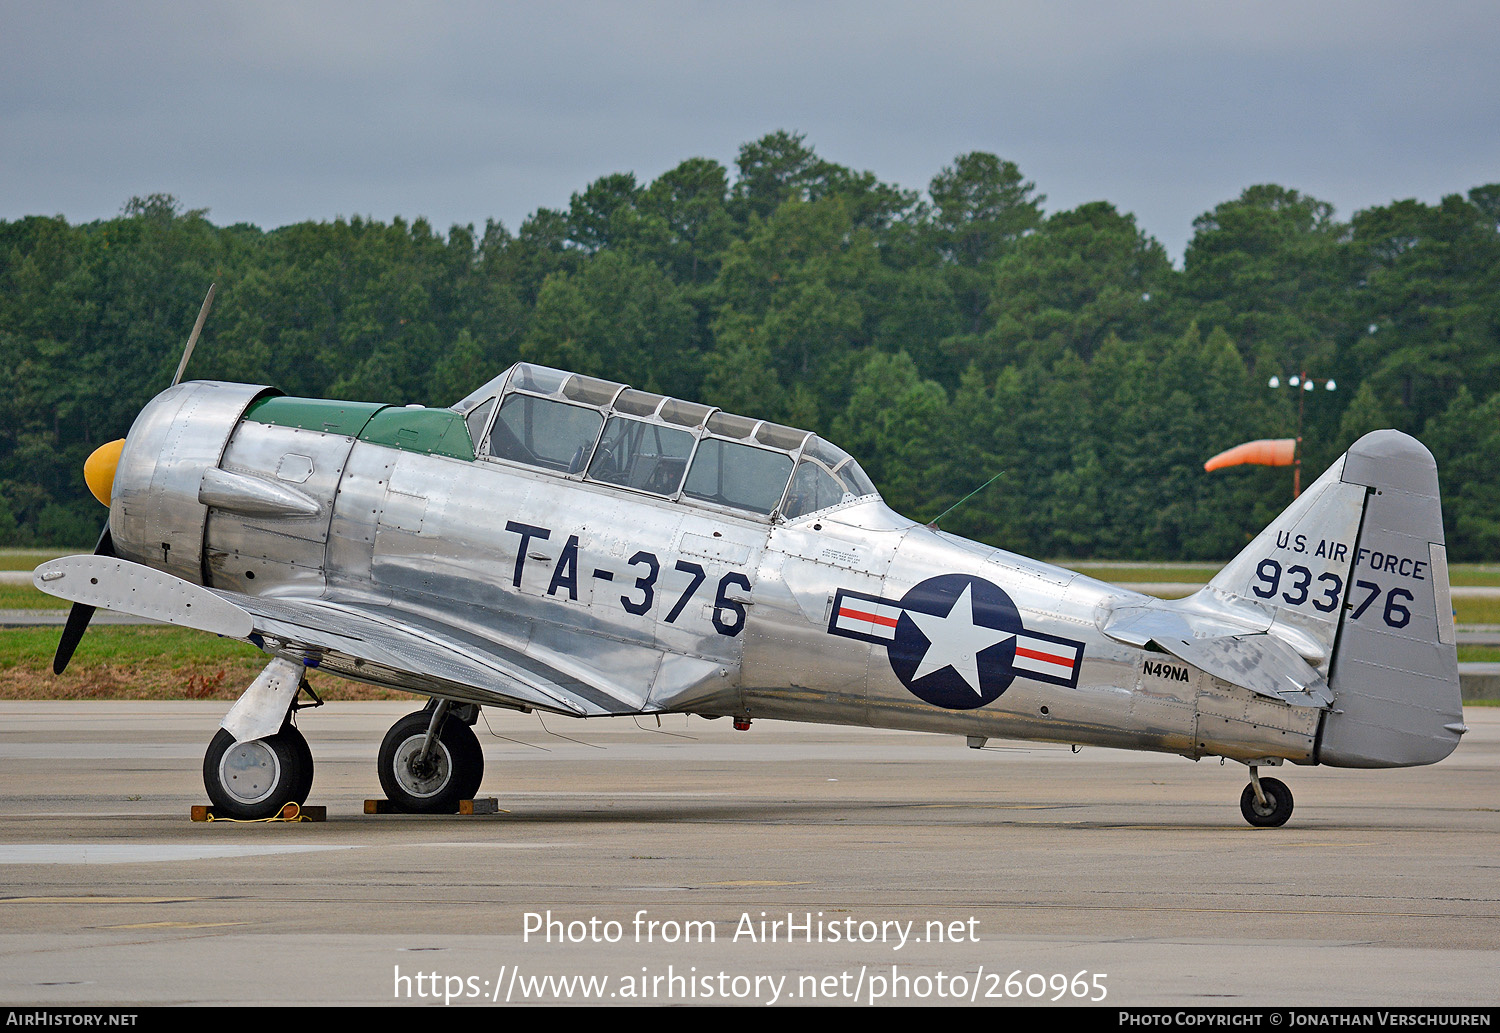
431,759
255,778
1266,802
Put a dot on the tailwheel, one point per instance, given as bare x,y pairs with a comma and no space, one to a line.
256,778
429,762
1271,806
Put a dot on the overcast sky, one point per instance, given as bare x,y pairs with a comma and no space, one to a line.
272,113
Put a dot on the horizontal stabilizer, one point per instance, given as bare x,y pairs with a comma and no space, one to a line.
1263,664
1259,662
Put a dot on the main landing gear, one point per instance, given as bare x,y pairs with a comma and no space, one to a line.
431,759
1266,802
254,779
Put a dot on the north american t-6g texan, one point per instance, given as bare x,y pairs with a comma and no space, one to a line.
560,543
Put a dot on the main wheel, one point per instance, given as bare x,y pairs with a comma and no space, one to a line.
303,787
469,786
254,779
451,772
1275,811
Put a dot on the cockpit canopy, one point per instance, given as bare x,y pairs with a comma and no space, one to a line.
601,431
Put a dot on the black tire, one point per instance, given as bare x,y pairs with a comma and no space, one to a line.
255,779
473,767
303,788
1278,806
455,766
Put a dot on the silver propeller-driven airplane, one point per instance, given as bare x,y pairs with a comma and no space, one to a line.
560,543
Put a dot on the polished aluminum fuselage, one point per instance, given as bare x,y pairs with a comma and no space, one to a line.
675,605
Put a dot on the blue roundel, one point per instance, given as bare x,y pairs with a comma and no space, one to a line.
955,641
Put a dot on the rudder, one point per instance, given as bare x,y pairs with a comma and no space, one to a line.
1395,664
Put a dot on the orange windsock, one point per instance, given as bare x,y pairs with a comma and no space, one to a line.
1265,452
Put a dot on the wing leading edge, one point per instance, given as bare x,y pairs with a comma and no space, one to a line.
373,643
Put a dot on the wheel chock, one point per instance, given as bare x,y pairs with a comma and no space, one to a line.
288,812
488,805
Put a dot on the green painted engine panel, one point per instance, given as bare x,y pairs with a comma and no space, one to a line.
429,431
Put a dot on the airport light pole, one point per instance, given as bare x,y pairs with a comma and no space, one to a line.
1302,384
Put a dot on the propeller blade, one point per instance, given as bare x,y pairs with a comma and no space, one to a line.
78,622
187,352
80,615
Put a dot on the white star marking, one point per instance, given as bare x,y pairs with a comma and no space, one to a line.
955,641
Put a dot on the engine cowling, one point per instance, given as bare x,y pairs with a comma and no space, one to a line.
155,515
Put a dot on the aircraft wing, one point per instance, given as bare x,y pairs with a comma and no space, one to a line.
1254,660
412,651
368,642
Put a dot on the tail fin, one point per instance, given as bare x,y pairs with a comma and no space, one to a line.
1354,576
1395,666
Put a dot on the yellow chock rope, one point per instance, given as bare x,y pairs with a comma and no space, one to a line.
289,812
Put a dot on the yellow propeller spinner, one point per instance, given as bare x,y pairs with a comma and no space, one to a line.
99,469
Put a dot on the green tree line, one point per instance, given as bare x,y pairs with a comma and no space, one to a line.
943,337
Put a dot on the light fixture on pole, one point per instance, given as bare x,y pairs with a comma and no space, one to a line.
1305,383
1275,451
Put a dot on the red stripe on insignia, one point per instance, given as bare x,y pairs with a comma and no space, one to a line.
889,622
1032,654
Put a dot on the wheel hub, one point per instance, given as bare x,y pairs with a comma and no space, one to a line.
422,778
249,771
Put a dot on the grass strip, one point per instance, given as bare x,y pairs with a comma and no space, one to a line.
134,662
